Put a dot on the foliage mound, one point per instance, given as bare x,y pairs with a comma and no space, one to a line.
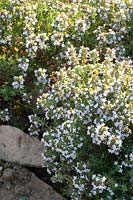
66,77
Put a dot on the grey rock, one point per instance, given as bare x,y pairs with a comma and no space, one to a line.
31,189
7,174
18,147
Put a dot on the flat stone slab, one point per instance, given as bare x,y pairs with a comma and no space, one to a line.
20,184
18,147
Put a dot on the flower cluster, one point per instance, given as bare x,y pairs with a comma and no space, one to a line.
18,82
98,184
41,76
34,127
4,115
102,134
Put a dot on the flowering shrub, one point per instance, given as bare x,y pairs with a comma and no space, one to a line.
90,112
66,67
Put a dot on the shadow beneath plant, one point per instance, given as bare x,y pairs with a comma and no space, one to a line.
43,175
